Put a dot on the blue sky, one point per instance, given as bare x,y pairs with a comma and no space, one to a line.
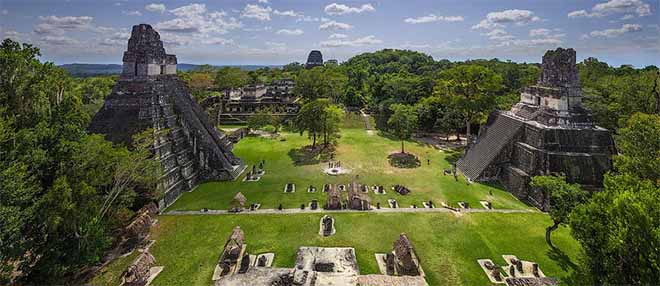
283,31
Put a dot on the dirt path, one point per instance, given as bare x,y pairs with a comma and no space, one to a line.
381,210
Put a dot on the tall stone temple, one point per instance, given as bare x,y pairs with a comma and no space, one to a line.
547,132
149,94
315,59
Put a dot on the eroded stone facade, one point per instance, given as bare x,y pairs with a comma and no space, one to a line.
187,144
547,132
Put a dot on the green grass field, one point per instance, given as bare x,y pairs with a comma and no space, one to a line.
364,154
448,246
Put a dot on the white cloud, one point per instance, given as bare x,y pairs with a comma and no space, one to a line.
499,19
499,35
341,9
611,33
611,7
364,41
539,32
334,25
58,25
408,45
263,1
132,13
116,39
433,18
195,18
289,13
338,36
218,41
256,12
4,12
59,41
155,7
296,32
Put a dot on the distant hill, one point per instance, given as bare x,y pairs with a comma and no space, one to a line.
85,70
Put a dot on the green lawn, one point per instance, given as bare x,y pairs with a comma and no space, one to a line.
448,246
365,154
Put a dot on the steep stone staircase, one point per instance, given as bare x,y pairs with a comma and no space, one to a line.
491,142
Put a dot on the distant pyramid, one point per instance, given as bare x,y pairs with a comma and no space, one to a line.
149,94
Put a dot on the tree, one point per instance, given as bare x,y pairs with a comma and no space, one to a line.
311,84
451,121
332,118
562,198
309,118
471,90
231,77
429,111
402,122
62,199
619,231
639,147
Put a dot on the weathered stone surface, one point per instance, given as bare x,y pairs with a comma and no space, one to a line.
188,146
547,132
314,59
357,200
405,261
334,201
138,273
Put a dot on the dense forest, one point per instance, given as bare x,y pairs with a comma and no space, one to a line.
64,193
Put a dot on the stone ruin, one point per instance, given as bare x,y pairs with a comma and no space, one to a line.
547,132
136,232
334,201
327,226
139,272
318,266
315,59
403,260
238,203
517,272
357,200
233,255
149,94
402,190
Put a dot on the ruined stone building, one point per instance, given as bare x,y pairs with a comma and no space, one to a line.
547,132
149,94
236,105
356,199
334,201
315,59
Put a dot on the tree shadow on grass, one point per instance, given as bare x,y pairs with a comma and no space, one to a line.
307,155
566,264
453,155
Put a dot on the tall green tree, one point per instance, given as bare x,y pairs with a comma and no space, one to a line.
639,146
55,178
231,77
311,84
619,231
331,118
309,118
471,90
561,197
403,122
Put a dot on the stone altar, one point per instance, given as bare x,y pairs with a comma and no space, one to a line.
149,94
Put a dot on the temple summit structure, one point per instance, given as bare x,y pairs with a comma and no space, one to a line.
547,132
315,59
149,94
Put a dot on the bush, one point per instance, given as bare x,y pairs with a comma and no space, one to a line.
269,128
403,160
